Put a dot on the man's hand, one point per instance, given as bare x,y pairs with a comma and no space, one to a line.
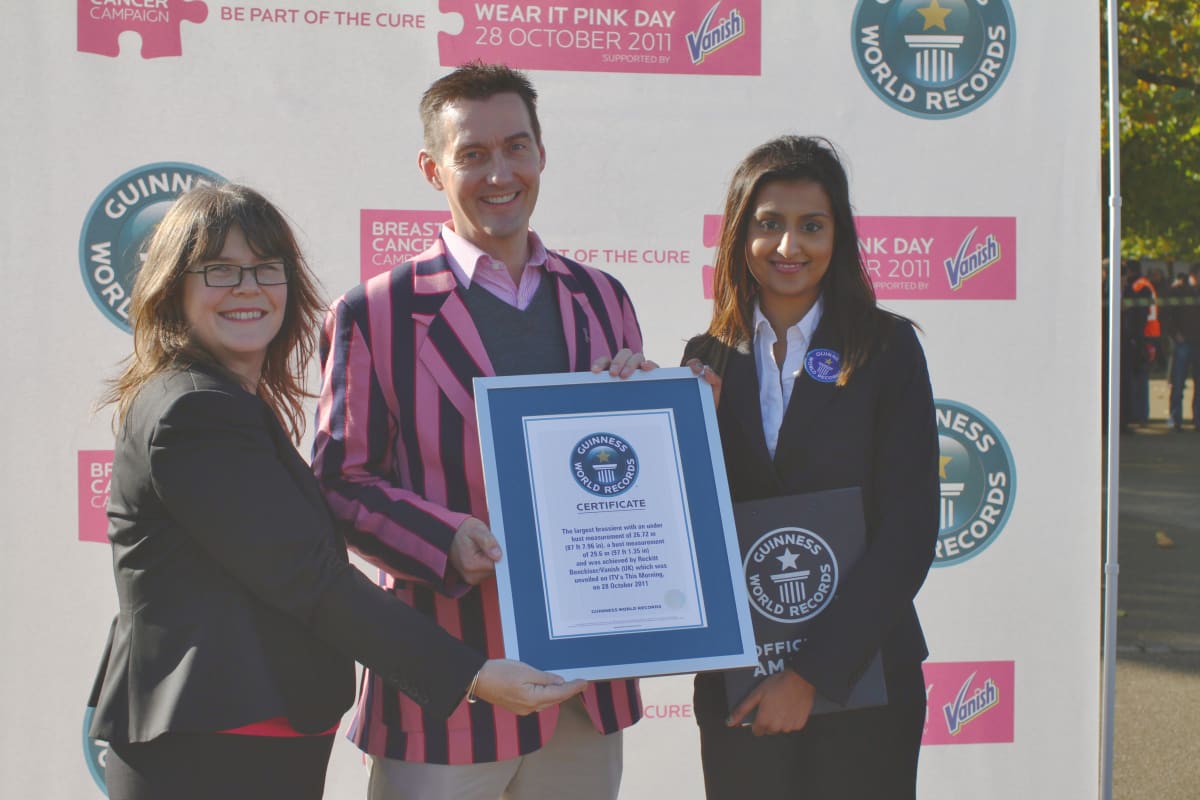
474,551
784,702
705,373
623,364
522,689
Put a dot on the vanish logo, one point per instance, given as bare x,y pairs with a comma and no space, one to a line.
964,709
706,40
965,265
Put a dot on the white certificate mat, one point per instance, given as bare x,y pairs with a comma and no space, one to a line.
615,523
610,501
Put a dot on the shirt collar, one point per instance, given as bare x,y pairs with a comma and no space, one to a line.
465,257
805,328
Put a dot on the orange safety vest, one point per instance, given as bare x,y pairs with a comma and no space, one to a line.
1153,329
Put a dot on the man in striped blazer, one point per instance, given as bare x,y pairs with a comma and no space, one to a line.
397,446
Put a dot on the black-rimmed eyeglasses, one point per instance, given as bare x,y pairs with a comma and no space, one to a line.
269,273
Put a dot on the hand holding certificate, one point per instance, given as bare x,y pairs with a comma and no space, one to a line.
610,502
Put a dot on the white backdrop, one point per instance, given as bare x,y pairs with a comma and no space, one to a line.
315,104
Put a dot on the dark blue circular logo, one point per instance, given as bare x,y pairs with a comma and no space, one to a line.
978,483
933,59
118,226
791,575
604,464
823,365
94,752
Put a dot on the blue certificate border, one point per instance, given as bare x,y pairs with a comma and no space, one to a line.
727,639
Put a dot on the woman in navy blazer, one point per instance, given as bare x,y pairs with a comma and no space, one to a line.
818,388
231,659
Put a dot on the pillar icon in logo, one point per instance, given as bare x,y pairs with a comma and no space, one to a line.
934,58
604,464
978,482
112,245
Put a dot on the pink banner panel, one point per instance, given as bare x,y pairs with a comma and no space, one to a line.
95,470
940,258
389,237
969,702
683,37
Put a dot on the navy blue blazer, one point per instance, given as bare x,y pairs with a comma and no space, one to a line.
237,601
879,433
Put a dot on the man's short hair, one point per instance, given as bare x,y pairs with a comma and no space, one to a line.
474,81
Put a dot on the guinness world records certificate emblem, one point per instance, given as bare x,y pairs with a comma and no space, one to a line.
610,502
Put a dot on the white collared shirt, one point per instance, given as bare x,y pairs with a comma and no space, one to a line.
775,383
470,264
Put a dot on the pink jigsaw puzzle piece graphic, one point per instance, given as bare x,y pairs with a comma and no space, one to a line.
156,21
679,37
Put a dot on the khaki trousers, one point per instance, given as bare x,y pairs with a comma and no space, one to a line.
578,763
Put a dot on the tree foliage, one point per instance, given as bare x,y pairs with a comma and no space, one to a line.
1159,49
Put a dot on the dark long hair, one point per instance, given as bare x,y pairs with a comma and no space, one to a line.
859,326
192,232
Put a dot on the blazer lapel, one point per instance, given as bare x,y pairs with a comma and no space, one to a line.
296,466
809,397
449,345
741,410
574,307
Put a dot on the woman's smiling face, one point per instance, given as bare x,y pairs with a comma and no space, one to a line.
789,245
235,324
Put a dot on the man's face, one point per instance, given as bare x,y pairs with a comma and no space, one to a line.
490,167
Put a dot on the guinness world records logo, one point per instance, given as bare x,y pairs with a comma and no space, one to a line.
118,227
95,752
604,464
934,59
978,481
791,575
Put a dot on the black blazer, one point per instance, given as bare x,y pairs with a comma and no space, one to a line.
879,433
237,601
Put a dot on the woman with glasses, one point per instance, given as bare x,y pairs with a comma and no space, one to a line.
820,389
230,662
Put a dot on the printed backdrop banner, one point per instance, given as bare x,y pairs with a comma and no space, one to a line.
970,131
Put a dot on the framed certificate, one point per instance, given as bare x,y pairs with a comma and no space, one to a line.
610,501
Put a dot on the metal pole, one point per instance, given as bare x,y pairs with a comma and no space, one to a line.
1112,479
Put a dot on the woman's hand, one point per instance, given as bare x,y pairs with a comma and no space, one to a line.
706,374
783,700
623,364
521,689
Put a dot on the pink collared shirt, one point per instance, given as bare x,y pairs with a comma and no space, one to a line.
471,265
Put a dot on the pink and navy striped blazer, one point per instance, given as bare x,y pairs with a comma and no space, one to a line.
397,453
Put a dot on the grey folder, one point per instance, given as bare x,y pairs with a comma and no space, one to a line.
828,532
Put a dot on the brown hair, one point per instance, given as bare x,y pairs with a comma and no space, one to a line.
191,232
859,325
474,81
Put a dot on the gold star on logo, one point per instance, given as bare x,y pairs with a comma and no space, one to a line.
935,16
943,462
602,457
